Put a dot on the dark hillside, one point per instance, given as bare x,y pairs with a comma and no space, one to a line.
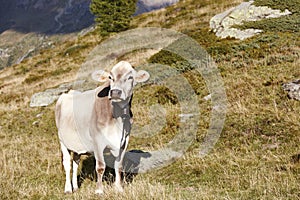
56,16
43,16
28,26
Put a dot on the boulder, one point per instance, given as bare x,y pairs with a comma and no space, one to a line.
293,89
222,24
51,95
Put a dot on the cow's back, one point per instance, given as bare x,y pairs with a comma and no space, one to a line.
73,114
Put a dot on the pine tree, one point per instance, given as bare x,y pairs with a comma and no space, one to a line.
113,15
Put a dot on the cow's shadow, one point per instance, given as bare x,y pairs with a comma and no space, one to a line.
130,167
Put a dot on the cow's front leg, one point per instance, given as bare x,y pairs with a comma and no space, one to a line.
100,168
119,167
118,180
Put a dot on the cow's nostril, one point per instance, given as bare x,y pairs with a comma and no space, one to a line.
115,93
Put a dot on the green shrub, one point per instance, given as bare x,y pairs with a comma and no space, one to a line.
171,59
113,16
33,78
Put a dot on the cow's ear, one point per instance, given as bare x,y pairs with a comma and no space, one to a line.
100,76
142,76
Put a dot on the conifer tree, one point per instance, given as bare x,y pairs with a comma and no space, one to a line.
113,15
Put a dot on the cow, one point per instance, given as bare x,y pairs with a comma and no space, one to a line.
96,120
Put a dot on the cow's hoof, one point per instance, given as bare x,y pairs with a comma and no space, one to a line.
118,188
75,189
98,192
68,192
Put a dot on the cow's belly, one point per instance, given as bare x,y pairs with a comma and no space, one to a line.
79,143
74,119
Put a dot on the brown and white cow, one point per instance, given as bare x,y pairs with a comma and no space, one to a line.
91,121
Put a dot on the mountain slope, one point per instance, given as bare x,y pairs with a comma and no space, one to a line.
43,16
256,156
26,27
56,16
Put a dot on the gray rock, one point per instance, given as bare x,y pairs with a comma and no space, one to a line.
30,51
42,99
51,95
222,23
4,53
293,89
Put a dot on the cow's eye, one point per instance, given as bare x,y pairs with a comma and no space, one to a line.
130,78
110,77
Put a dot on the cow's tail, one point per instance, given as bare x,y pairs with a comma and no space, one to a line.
57,119
58,111
62,160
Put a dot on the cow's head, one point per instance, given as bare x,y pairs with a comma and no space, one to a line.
122,79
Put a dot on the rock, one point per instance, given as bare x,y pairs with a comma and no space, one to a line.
149,5
36,123
39,115
208,97
30,51
4,53
42,99
293,89
50,95
222,23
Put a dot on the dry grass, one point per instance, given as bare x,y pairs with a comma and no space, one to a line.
253,159
175,17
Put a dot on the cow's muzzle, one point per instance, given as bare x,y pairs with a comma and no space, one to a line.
115,94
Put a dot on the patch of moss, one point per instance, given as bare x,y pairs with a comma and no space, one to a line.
74,50
60,71
42,74
171,59
289,23
291,5
33,78
22,70
43,61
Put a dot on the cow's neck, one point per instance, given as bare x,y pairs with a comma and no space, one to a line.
122,109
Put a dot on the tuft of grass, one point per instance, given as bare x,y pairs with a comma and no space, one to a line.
291,5
74,50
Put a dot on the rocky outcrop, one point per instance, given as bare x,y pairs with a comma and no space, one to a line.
293,89
222,24
4,53
149,5
49,96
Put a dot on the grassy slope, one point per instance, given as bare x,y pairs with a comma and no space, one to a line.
252,159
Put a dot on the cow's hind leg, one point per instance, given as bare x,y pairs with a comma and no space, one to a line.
76,161
66,159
